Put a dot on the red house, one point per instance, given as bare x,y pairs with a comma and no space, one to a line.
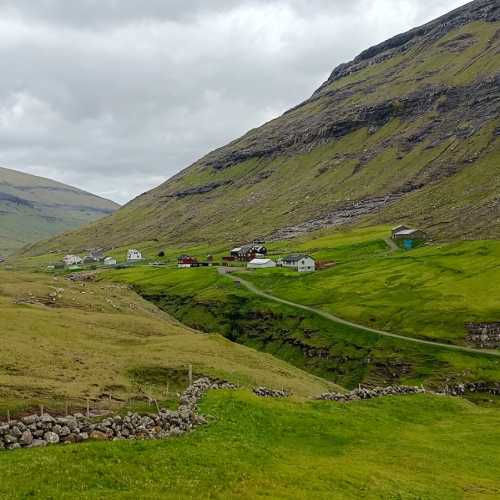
187,261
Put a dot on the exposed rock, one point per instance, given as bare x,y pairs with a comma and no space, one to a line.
343,215
26,438
51,437
38,443
198,189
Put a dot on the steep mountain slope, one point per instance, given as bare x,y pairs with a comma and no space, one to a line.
32,208
407,130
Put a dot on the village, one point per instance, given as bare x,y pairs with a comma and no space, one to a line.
252,256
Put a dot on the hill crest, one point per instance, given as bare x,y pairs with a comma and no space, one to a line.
407,130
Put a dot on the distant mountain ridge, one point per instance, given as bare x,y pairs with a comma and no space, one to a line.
409,130
34,208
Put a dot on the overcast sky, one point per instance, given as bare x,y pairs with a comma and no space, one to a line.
115,96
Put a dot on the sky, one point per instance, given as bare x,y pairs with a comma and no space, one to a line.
116,96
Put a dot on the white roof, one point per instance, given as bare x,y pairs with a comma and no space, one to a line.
260,262
237,249
407,231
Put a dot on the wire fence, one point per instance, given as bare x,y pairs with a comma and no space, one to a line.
145,398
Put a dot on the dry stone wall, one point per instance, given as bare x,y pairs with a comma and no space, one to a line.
365,393
36,431
265,392
485,335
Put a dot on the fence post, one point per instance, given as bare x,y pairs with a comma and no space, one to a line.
66,408
88,407
41,410
190,374
8,416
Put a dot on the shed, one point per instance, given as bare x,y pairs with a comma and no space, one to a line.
396,229
410,234
261,264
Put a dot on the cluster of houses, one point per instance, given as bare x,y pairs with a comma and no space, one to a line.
94,257
255,256
300,262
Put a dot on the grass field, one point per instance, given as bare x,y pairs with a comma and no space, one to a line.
424,447
429,292
101,339
439,289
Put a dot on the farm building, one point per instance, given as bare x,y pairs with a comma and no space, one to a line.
109,261
396,229
70,260
134,255
248,252
96,255
409,234
261,264
187,261
299,261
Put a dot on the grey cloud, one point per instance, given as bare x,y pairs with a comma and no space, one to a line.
116,96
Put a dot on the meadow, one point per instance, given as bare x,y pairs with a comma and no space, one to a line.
427,293
64,342
422,446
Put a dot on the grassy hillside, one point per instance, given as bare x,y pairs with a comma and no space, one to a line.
410,447
64,341
426,293
393,134
33,208
429,292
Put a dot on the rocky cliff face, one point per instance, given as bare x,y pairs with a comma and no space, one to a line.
408,129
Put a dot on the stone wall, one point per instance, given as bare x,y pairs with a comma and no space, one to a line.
485,335
265,392
361,393
365,393
35,430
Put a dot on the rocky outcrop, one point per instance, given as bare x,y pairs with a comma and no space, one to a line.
299,135
35,430
365,393
484,10
198,190
347,214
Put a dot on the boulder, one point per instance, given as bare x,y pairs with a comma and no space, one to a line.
51,437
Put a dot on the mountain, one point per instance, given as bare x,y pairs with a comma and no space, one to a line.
33,208
408,130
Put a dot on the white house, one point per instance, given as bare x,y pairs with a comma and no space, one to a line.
301,262
109,261
261,264
134,255
72,260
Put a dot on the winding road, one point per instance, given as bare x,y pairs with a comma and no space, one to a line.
252,288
